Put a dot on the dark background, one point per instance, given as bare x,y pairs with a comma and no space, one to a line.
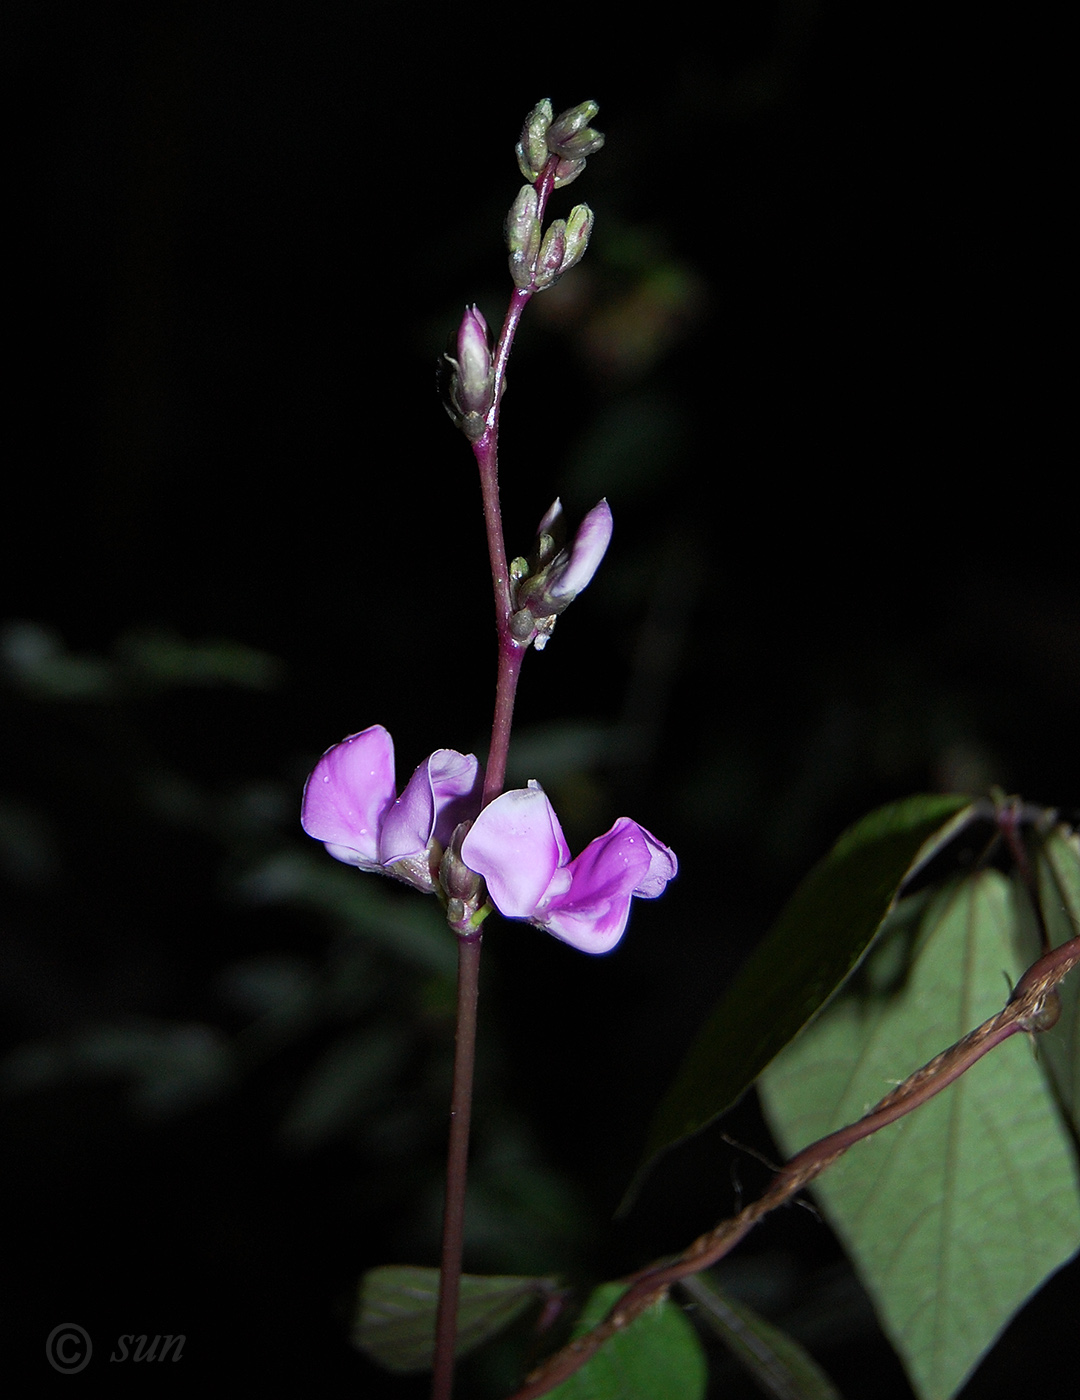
813,359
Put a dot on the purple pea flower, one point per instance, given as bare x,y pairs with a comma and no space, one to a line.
517,845
351,805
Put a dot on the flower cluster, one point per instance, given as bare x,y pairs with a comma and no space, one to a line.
515,843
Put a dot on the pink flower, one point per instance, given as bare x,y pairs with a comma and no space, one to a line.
351,805
517,845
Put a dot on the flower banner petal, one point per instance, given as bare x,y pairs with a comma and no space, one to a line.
516,844
348,794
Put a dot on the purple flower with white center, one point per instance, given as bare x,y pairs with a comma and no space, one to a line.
351,805
517,845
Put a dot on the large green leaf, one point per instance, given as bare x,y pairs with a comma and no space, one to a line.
958,1212
658,1357
395,1323
814,945
777,1362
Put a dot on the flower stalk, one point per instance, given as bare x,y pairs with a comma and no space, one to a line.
457,1160
542,165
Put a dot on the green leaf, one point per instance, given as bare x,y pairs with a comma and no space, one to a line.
1057,868
819,938
395,1321
658,1357
958,1212
777,1362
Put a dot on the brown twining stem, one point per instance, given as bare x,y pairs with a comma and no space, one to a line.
1025,1011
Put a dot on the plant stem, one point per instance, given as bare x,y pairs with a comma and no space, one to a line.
511,655
457,1158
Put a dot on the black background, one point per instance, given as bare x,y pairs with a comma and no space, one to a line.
844,567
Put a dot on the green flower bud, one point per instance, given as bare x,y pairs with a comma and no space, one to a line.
570,122
523,236
571,137
567,171
552,252
578,232
532,151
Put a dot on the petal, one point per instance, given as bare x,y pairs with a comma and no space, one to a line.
517,845
457,783
348,794
663,867
591,915
589,547
444,790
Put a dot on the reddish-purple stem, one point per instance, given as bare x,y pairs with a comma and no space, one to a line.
511,655
457,1159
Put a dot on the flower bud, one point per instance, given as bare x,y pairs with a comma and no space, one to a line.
570,124
570,573
467,904
474,362
470,389
523,236
549,264
549,534
579,228
567,171
556,576
570,137
532,151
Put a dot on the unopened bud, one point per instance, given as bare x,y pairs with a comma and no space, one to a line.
579,228
470,387
557,576
570,574
567,171
570,137
569,124
467,904
549,264
532,150
523,236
